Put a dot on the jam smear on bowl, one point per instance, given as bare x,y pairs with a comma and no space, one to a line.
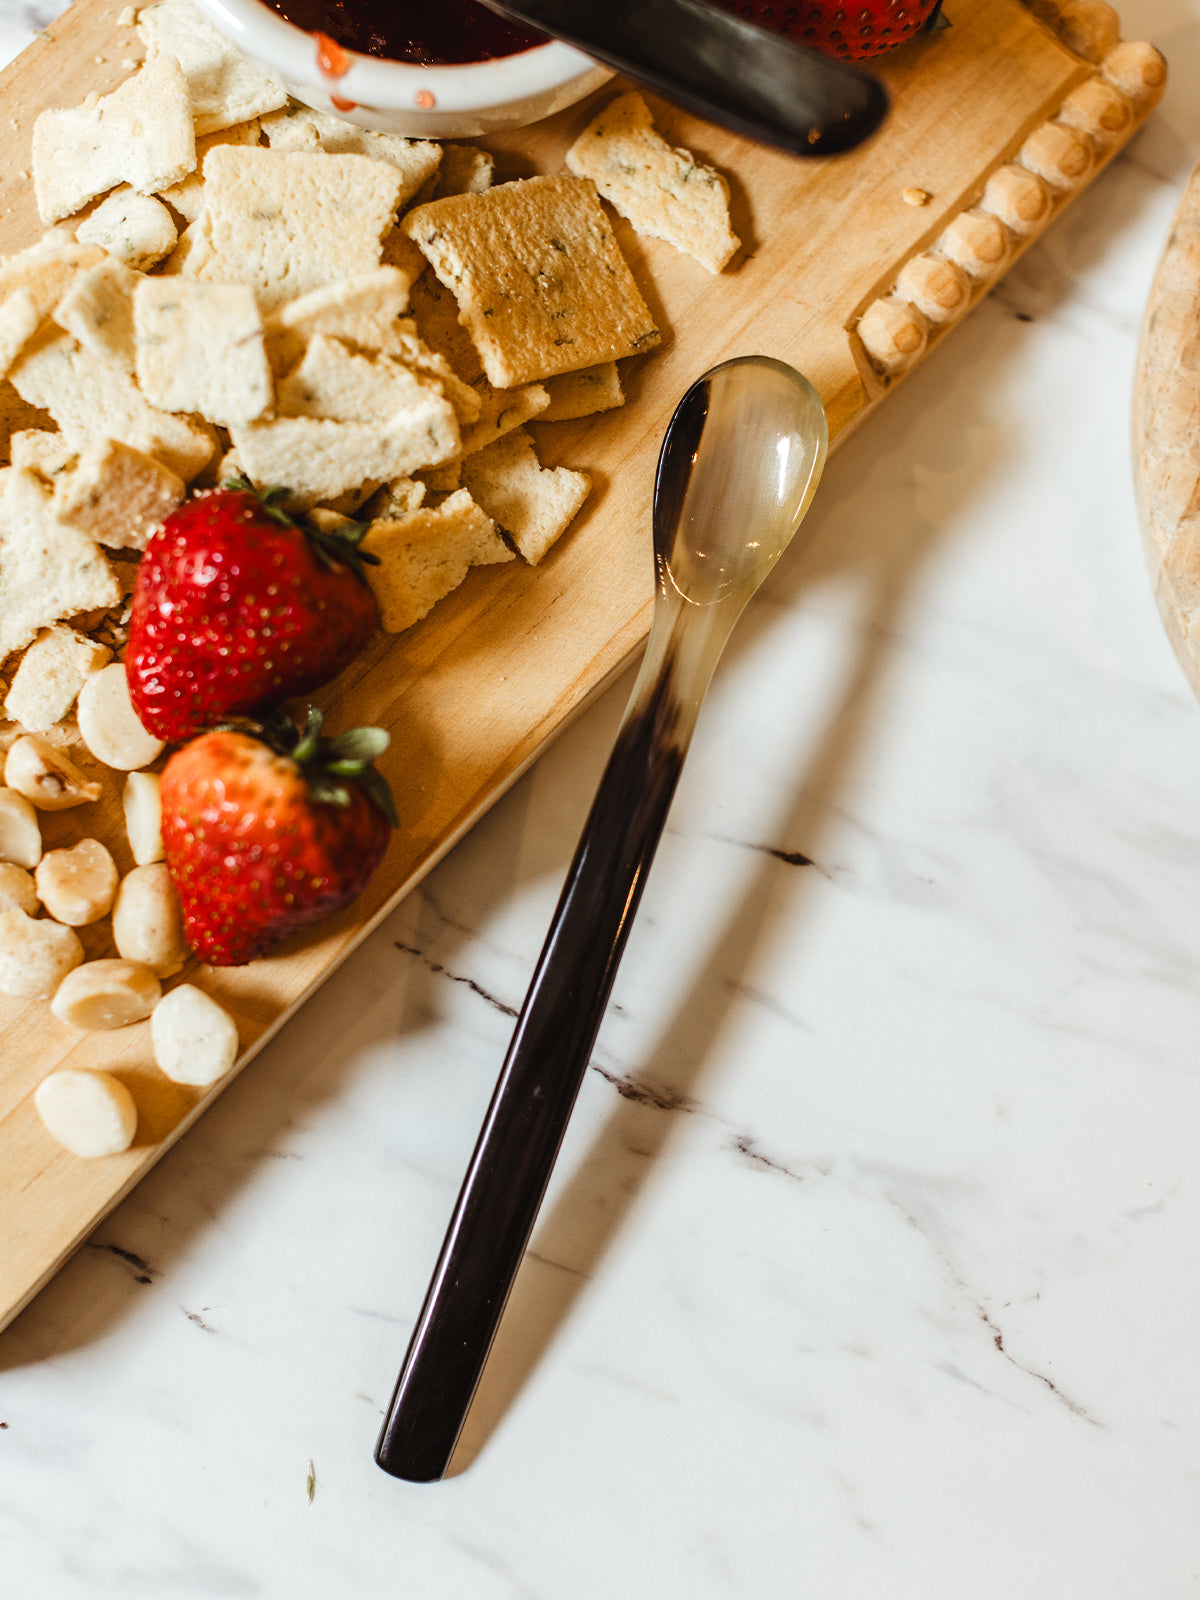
454,32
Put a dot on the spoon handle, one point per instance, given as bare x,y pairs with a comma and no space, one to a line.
545,1065
743,77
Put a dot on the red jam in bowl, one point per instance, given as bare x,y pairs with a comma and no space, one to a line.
421,31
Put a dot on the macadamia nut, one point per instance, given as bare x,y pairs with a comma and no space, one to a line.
35,954
20,831
148,921
48,779
106,994
143,817
77,886
17,890
89,1113
195,1039
109,725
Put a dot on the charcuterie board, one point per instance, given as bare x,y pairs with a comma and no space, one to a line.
851,269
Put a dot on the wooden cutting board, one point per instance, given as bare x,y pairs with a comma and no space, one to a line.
1166,423
473,693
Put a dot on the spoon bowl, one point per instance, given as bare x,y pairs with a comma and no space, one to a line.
738,469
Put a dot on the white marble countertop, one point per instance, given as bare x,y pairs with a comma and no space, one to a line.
871,1266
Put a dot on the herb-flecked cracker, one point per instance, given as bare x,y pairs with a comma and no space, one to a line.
540,280
224,87
663,191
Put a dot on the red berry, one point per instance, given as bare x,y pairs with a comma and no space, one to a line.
266,834
852,30
237,607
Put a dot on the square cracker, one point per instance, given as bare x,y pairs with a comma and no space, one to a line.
200,348
541,284
287,222
664,192
141,134
426,554
223,86
530,504
90,399
47,570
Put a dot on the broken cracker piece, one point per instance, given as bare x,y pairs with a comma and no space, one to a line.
337,382
502,410
141,134
530,504
98,311
42,451
47,267
117,495
223,86
426,554
50,675
200,348
303,128
663,191
187,196
47,570
286,223
319,459
20,319
135,228
583,394
541,284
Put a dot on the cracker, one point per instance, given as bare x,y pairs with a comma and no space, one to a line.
42,452
583,394
400,252
141,134
93,399
47,570
187,197
97,310
20,319
302,128
200,348
663,191
394,499
502,410
339,383
463,170
116,495
135,228
47,268
319,459
50,675
222,85
286,223
541,284
425,555
531,505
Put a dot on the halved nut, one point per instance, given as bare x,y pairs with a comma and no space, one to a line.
195,1039
48,779
147,920
20,830
106,994
17,890
143,817
77,886
89,1113
109,725
35,954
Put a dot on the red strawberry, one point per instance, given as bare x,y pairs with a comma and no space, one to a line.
267,832
853,30
238,607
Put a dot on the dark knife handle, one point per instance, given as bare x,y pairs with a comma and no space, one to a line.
742,77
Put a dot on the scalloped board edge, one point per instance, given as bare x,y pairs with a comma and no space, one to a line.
1019,198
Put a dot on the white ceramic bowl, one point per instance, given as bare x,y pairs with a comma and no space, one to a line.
396,97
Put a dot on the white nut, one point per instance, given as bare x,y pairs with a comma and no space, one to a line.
106,994
147,920
143,817
46,777
17,890
195,1039
89,1113
20,831
109,725
35,954
77,886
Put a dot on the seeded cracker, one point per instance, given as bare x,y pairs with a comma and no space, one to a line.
223,86
200,348
425,555
47,571
664,192
541,284
531,504
583,394
286,223
135,228
141,134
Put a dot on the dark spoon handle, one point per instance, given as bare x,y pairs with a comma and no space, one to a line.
743,77
537,1088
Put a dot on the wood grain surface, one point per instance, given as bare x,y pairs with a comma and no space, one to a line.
876,238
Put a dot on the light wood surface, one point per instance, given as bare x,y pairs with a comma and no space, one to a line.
833,278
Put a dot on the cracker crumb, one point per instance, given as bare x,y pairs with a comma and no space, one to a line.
913,196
